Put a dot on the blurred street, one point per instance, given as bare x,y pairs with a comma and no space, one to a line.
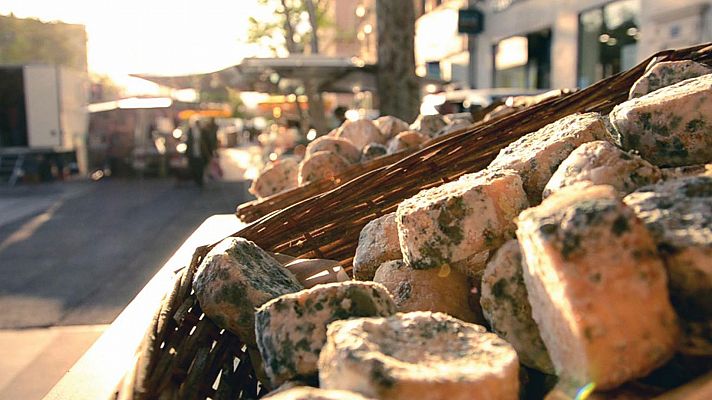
74,254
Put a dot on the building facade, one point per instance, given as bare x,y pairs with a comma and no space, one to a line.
543,44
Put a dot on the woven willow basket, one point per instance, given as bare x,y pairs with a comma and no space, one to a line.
185,356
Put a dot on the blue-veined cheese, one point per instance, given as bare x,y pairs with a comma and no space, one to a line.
310,393
340,146
670,127
602,163
678,213
418,355
460,221
506,306
597,287
377,243
537,155
321,165
278,177
236,277
291,329
667,73
373,151
442,289
361,132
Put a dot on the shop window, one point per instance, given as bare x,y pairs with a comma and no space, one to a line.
523,61
608,40
432,69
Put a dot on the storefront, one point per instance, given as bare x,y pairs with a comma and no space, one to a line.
540,44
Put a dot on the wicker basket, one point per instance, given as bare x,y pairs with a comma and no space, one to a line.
185,356
253,210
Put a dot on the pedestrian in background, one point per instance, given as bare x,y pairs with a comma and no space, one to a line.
209,148
195,150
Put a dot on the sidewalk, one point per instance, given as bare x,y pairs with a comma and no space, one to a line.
33,360
22,201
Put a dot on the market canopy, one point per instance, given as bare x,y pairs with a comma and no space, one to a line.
272,75
282,74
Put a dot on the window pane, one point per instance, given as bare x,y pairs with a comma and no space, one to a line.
608,39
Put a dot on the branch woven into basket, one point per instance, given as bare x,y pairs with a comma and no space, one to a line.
185,356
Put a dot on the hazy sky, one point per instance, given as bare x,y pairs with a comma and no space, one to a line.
153,36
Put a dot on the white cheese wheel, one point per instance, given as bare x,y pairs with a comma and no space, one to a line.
418,355
441,289
390,126
460,221
602,163
377,243
670,127
667,73
321,165
537,155
278,177
236,277
597,287
361,132
406,140
310,393
506,306
291,329
340,146
678,213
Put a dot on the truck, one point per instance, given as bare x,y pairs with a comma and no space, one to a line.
43,122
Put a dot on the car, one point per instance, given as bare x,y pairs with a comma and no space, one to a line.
468,100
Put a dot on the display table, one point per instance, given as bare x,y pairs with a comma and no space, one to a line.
98,373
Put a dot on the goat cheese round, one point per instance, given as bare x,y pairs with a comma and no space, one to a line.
678,213
278,177
429,125
291,329
361,132
460,221
236,277
372,151
418,355
670,127
667,73
602,163
537,155
321,165
406,140
438,289
506,307
310,393
597,287
340,146
377,243
390,126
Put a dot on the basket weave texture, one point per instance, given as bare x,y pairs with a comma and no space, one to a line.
186,356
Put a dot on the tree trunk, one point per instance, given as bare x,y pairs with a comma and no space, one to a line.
398,89
316,105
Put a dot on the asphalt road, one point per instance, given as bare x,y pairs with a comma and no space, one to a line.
77,253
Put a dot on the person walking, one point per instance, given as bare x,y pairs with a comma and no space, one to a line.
195,150
209,147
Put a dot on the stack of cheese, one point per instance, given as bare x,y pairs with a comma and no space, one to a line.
587,245
352,143
581,257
